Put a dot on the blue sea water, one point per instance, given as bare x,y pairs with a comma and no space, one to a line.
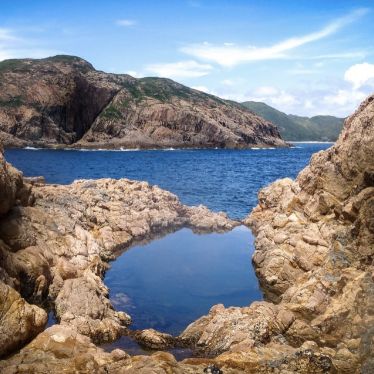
171,281
225,180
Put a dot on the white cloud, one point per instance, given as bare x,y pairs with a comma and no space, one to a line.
133,73
302,71
229,54
7,35
339,56
280,99
181,69
266,91
12,46
227,82
308,104
202,88
360,74
345,97
284,99
126,22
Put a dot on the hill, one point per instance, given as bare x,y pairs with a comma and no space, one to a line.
292,127
62,101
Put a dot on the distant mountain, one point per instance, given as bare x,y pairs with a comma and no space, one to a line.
291,127
63,101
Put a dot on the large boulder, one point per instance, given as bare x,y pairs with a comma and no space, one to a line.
19,321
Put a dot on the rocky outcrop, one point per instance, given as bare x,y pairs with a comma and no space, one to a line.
55,245
63,101
19,321
314,258
62,349
10,184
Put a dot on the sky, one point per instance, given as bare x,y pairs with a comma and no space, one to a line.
301,57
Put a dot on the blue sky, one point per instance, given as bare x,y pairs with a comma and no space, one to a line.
302,57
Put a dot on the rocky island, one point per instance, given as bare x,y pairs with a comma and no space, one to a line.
314,259
63,101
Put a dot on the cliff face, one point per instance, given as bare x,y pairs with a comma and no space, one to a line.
64,101
314,258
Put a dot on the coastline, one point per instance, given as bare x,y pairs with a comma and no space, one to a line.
313,258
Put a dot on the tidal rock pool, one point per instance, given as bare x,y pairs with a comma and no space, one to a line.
169,282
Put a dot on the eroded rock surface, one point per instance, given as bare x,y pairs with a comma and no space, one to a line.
56,241
314,258
63,101
19,321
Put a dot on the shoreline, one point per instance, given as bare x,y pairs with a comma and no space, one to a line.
121,149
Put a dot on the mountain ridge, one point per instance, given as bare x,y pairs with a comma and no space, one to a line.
63,101
299,128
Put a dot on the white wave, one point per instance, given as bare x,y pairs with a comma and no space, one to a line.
310,142
32,148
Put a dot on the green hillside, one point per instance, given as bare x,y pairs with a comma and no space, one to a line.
292,127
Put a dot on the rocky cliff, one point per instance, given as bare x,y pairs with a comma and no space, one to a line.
314,259
63,101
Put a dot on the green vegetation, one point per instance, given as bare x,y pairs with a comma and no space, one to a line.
12,102
134,90
111,112
291,127
12,64
64,58
165,90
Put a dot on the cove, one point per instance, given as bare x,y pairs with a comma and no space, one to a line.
170,282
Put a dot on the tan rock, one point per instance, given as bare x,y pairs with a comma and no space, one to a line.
19,321
314,248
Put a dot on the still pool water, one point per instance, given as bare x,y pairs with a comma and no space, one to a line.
169,282
222,179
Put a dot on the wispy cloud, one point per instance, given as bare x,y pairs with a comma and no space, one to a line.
273,96
338,56
181,69
229,54
126,22
6,35
13,46
202,88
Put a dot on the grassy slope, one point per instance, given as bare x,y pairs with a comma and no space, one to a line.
293,127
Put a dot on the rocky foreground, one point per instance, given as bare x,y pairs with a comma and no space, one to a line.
314,258
55,242
63,101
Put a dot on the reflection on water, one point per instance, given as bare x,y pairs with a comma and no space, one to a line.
168,283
